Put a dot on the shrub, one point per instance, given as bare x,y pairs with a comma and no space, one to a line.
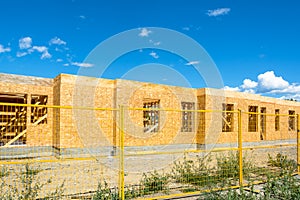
154,182
282,162
26,186
105,193
193,172
285,187
228,167
4,172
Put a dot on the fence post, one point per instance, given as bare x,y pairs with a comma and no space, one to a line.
298,143
121,154
240,148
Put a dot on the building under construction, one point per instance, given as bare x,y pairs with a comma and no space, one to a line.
73,112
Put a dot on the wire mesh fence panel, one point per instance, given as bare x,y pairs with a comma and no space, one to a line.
66,152
58,152
272,146
240,149
185,154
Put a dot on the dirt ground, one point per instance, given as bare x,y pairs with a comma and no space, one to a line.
81,176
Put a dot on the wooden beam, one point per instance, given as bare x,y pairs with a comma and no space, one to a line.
226,122
23,132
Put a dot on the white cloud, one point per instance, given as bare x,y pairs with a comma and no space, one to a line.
293,88
4,49
59,60
144,32
291,96
66,64
251,91
235,89
82,17
249,84
268,82
21,54
82,64
154,55
43,50
46,54
57,41
40,48
25,43
218,12
192,63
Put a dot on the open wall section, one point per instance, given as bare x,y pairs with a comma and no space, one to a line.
20,124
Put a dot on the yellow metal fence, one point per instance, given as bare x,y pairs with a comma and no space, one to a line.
65,152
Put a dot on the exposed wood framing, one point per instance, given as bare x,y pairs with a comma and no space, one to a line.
23,132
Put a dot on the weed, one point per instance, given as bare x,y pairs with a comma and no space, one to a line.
228,167
26,186
193,172
149,184
4,172
282,162
58,193
285,186
104,192
154,182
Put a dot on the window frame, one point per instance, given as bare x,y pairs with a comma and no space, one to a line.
253,119
151,115
227,125
277,120
187,117
292,120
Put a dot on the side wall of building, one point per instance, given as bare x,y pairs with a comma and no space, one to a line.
263,129
89,113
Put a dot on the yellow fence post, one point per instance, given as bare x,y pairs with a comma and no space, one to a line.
240,148
121,154
298,143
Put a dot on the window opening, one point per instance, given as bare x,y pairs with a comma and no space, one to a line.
252,123
187,116
227,116
151,116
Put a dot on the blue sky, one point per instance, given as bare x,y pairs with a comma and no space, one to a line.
254,43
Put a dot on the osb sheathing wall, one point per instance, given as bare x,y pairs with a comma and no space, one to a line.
132,94
56,112
200,124
242,101
36,135
82,126
211,121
